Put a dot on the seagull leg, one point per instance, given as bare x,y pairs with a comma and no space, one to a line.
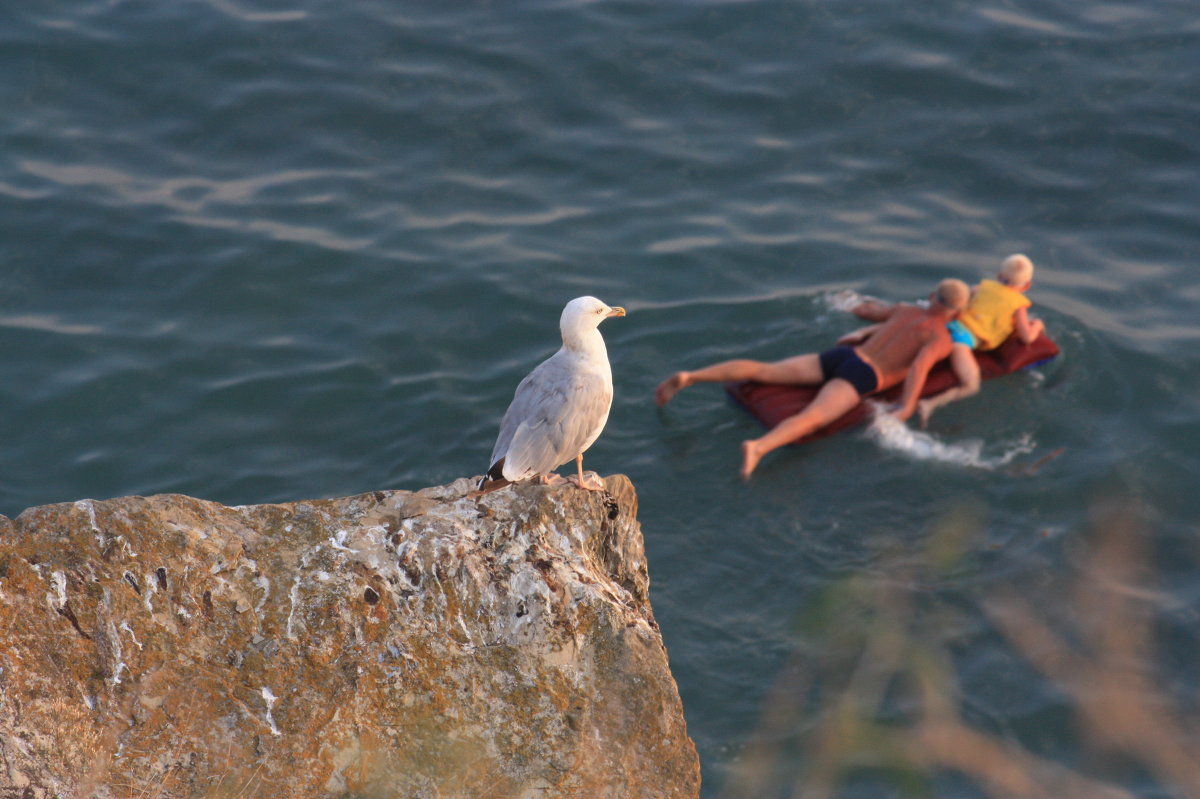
589,485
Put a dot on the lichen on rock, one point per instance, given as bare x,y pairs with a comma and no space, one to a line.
413,644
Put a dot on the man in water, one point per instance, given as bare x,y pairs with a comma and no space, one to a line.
904,346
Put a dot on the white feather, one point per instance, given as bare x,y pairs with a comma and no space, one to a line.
560,408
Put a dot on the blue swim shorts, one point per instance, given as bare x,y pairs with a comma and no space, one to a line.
845,363
960,335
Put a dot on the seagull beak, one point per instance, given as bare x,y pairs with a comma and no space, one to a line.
618,311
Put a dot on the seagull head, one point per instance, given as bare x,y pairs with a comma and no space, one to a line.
582,316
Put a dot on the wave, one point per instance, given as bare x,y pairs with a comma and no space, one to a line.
895,436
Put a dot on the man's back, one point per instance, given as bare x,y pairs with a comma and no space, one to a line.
895,345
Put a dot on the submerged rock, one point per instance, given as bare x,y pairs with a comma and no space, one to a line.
394,644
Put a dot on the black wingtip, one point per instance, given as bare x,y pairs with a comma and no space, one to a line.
494,474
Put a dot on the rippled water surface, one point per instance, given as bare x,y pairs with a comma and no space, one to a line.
261,251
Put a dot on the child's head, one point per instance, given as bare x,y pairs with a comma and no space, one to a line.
1016,272
952,294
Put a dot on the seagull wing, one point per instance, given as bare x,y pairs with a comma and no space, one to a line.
557,411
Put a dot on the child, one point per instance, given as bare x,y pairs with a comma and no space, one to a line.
996,311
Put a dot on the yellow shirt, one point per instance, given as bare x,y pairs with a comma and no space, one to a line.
989,314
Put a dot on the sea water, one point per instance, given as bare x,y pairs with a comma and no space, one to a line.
266,251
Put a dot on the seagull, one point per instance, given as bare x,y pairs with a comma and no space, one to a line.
560,407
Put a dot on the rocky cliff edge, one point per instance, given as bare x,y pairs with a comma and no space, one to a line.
393,644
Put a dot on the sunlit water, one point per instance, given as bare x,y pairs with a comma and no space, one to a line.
260,252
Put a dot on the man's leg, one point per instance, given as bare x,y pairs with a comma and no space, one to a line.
798,370
966,369
835,398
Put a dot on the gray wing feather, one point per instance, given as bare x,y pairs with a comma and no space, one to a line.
556,412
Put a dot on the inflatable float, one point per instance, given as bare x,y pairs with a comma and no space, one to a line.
771,404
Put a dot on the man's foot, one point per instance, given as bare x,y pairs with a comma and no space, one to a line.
750,458
668,388
924,411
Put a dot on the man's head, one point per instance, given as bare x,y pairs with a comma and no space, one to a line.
1016,272
952,295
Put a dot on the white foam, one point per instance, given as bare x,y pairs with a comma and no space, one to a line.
893,435
845,299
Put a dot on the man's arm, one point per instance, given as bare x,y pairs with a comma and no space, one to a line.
873,311
914,381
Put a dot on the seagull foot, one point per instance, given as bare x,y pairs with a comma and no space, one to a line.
591,482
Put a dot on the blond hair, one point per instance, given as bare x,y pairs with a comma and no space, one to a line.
952,294
1017,270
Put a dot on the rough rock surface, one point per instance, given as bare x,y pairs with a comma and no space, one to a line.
394,644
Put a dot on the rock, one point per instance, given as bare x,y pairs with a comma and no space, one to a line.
394,644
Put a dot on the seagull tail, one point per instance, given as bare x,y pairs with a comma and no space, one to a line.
494,478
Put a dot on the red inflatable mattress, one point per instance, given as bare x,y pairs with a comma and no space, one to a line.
771,404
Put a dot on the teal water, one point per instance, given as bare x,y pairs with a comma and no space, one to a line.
259,252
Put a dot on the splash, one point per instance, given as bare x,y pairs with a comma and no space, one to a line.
891,434
845,299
